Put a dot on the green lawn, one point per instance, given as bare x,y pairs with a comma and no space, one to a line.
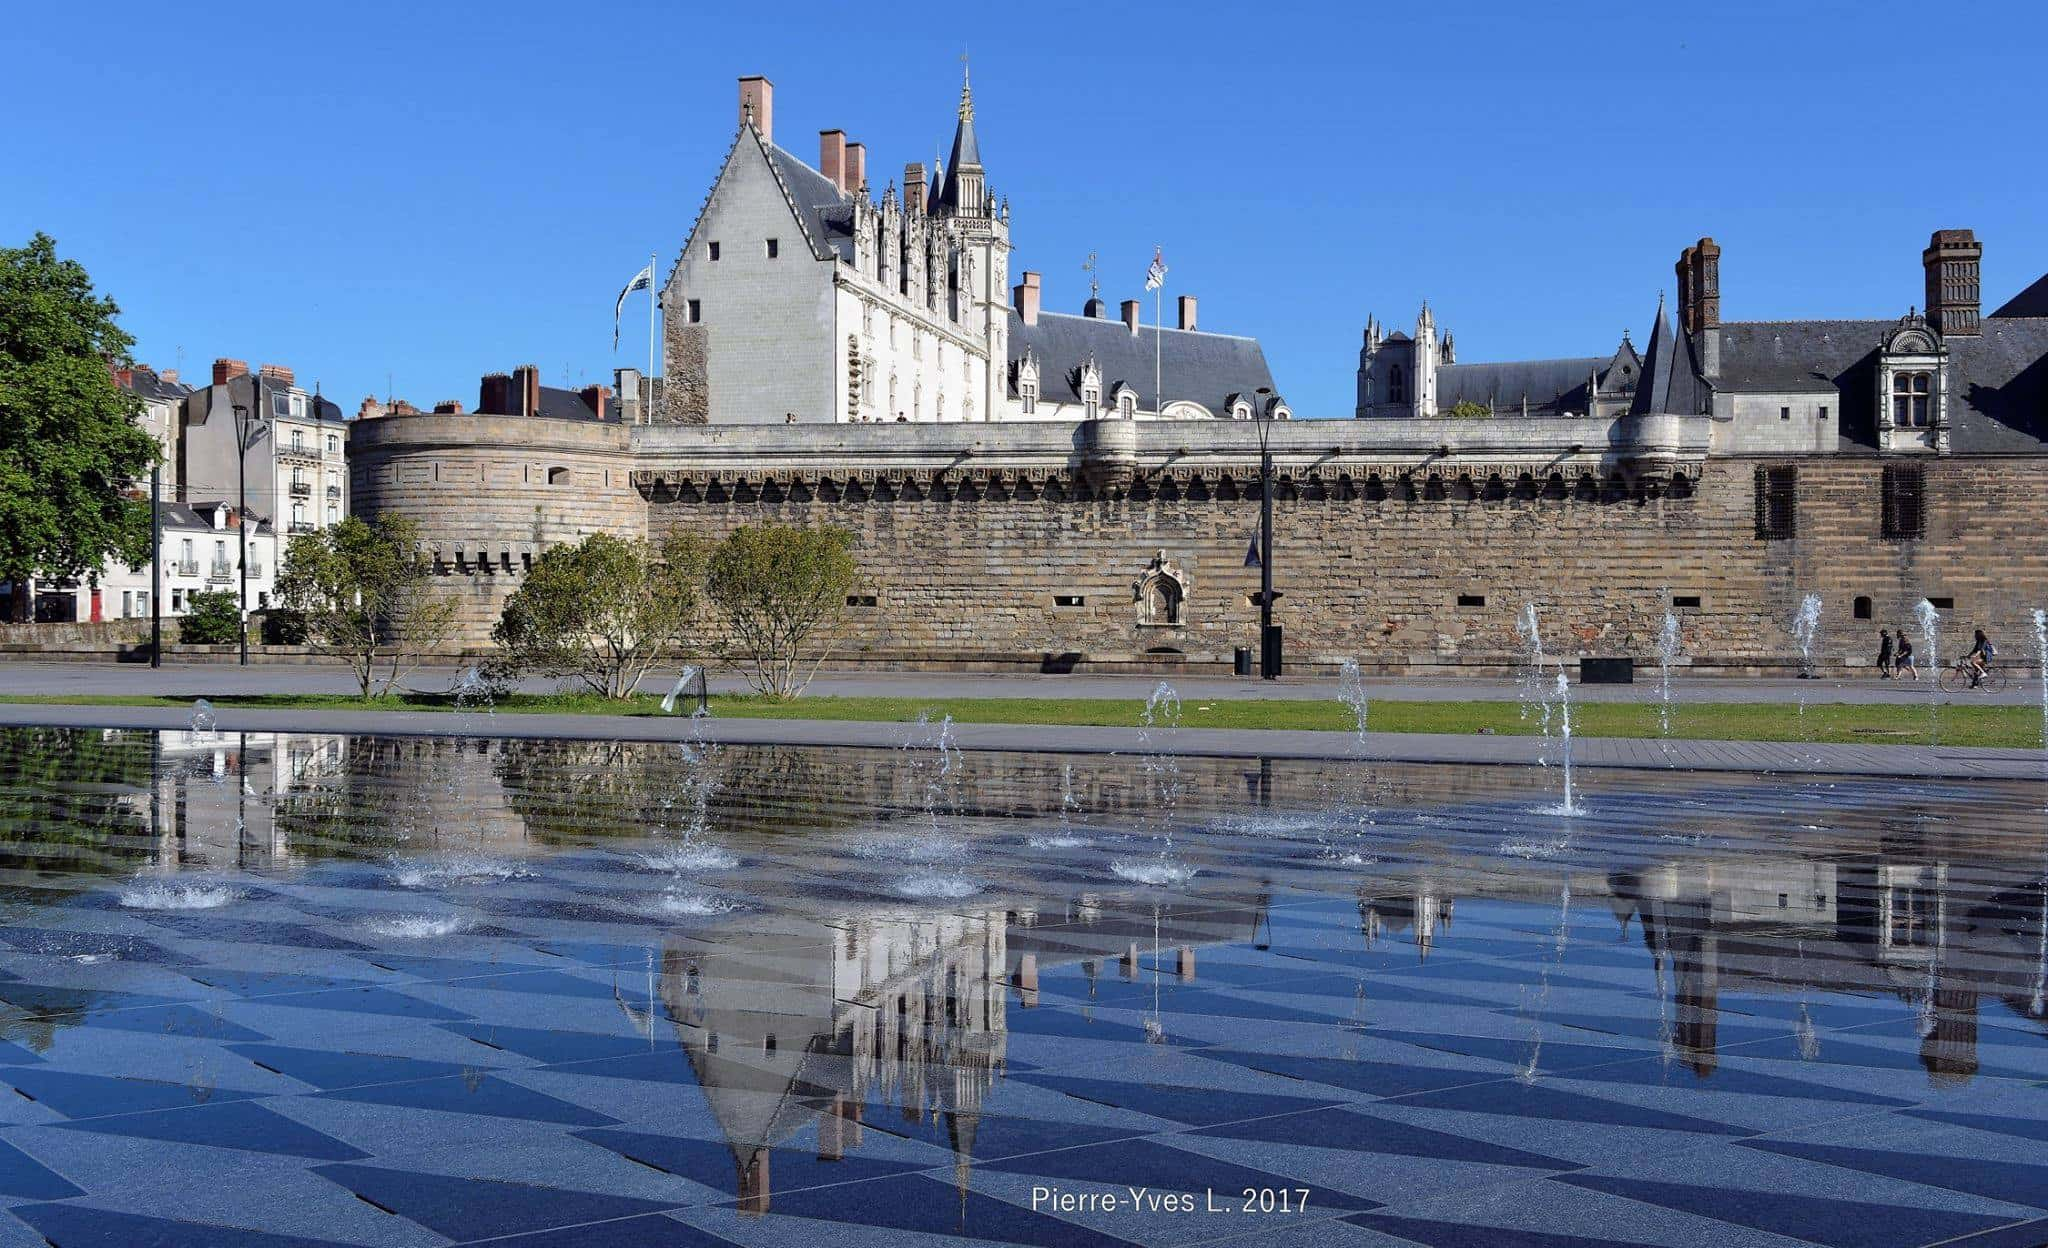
1957,724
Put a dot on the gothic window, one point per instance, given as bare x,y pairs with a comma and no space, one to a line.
1903,502
1777,503
1091,403
867,320
1397,385
1027,393
967,410
939,406
867,381
1911,393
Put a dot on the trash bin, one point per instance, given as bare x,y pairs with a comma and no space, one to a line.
1242,660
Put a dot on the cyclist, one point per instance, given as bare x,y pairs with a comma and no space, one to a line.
1979,658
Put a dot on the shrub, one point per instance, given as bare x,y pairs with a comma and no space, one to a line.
212,618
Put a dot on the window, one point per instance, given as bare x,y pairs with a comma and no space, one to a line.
1028,393
1471,600
1777,503
127,603
1069,600
298,517
1823,412
1942,604
299,405
298,439
333,444
177,601
1910,395
558,476
1685,600
142,602
1903,502
1397,385
714,249
774,248
1860,608
696,311
1784,413
860,600
280,404
1127,405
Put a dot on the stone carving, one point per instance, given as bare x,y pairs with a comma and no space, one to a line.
1161,593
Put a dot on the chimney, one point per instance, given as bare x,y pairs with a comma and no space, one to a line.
495,394
595,398
124,377
1025,293
1682,271
1187,312
225,371
1952,260
757,106
856,167
832,156
169,376
913,188
1130,311
526,389
1706,305
277,373
448,407
629,395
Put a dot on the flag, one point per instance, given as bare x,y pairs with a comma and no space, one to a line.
641,281
1251,555
1155,277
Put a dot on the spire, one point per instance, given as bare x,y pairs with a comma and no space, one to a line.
964,191
1670,384
966,92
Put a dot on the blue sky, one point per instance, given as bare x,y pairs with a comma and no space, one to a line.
406,196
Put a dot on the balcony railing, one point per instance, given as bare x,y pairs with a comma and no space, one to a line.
334,491
302,489
221,572
185,567
300,526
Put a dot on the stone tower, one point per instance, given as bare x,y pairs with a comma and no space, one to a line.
1427,352
964,200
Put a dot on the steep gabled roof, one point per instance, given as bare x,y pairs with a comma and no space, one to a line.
808,193
2033,301
1194,367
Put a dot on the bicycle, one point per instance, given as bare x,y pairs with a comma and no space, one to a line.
1958,676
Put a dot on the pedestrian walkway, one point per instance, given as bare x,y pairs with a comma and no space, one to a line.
1901,761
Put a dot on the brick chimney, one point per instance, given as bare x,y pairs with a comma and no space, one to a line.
124,376
757,105
225,371
1952,261
1187,312
1025,295
1706,306
832,156
1682,272
526,389
856,167
596,398
169,376
448,407
1130,311
494,395
277,373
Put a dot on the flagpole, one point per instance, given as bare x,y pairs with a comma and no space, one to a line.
1158,347
651,276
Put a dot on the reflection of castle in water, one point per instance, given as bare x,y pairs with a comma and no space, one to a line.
899,1014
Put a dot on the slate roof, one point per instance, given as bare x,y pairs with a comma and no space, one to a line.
1551,386
148,384
319,407
1670,382
1998,380
1195,367
2033,301
559,404
825,212
966,153
186,516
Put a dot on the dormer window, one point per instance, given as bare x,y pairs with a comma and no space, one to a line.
1911,395
1240,409
1027,394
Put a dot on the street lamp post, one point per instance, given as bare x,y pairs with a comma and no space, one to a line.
248,431
1269,645
156,560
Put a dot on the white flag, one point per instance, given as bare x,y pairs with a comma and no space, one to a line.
641,281
1155,277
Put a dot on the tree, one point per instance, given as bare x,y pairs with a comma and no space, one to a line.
776,586
212,618
604,610
1467,409
70,447
366,594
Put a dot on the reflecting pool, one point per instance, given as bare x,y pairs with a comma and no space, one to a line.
268,990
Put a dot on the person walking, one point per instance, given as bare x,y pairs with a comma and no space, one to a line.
1902,663
1884,654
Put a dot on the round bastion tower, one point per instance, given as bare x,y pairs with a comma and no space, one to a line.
490,490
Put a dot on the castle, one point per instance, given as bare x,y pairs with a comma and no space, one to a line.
1023,496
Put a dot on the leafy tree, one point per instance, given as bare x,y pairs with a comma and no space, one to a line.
212,618
70,447
776,586
1468,409
366,595
603,610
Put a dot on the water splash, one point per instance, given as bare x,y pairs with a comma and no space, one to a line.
1064,837
1158,872
2041,653
1160,769
203,718
417,926
1805,628
452,869
163,895
687,857
935,886
1930,638
1351,692
1667,653
473,693
1563,690
689,903
1535,693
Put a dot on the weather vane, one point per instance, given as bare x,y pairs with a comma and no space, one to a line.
1094,283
